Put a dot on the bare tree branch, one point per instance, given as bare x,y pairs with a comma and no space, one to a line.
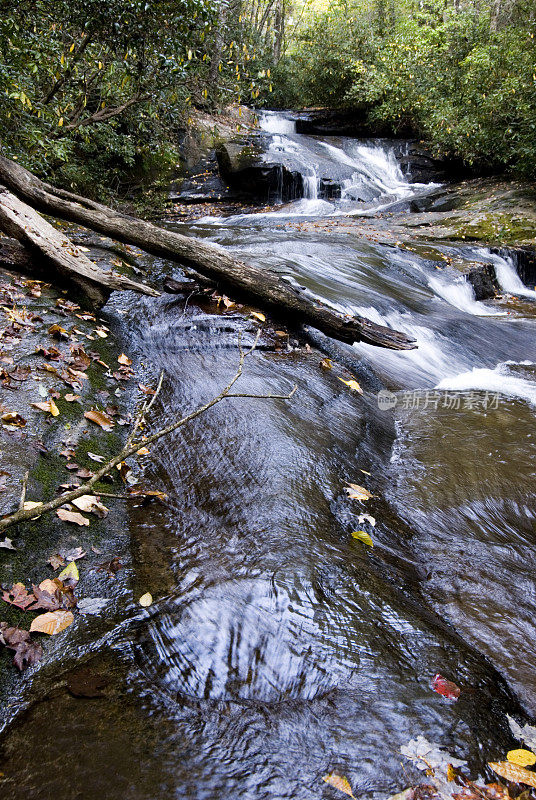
132,447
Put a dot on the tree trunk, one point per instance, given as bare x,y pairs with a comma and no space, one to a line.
27,226
259,286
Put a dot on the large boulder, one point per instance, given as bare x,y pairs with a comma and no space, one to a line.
244,166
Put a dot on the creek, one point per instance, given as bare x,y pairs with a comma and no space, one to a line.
279,648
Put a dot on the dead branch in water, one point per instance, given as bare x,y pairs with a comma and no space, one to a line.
132,446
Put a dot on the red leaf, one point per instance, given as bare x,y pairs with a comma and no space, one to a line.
445,687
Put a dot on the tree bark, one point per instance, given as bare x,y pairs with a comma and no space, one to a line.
259,286
27,226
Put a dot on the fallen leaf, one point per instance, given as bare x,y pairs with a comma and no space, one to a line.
7,544
10,418
71,398
364,537
95,457
146,600
70,574
86,683
72,516
111,567
258,315
56,561
101,332
52,622
18,596
91,504
356,492
27,651
326,363
366,518
92,605
143,451
521,757
58,332
73,554
146,389
125,360
49,406
99,419
514,773
526,734
445,687
339,782
353,385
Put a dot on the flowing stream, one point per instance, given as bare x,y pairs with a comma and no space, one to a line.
280,648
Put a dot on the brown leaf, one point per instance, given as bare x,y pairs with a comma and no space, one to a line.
90,503
99,419
47,405
111,567
10,418
514,773
86,683
18,596
72,516
52,622
56,561
27,652
125,360
58,332
146,389
71,397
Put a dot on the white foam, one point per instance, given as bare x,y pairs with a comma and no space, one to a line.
498,380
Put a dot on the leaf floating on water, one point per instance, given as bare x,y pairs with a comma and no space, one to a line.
259,316
125,360
366,518
52,622
339,782
326,363
511,772
521,757
445,687
72,516
356,492
364,537
353,385
99,419
146,600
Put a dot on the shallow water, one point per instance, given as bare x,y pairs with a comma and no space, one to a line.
279,648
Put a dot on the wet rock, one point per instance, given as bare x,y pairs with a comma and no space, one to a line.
483,280
244,167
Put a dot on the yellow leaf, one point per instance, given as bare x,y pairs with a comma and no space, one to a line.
71,48
62,60
258,315
513,773
364,537
47,405
356,492
143,451
70,571
146,600
52,622
60,122
339,782
521,757
326,363
353,385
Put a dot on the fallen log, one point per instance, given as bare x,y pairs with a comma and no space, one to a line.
260,286
20,221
